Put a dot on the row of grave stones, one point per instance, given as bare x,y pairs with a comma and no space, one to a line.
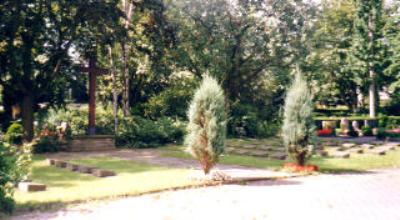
81,168
325,149
257,150
345,150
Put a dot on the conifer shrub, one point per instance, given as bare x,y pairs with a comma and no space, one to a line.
298,125
206,130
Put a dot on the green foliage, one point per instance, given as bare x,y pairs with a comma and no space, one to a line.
14,166
298,125
367,131
389,122
77,118
329,58
207,123
14,134
139,132
46,144
173,101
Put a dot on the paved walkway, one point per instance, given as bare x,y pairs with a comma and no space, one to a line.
374,195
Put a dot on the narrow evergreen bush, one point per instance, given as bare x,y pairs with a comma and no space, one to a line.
207,124
298,125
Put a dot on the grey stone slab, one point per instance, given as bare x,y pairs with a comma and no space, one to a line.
85,169
60,163
378,151
367,146
102,173
267,148
31,187
259,153
279,156
340,154
349,145
72,167
249,146
242,151
51,162
356,150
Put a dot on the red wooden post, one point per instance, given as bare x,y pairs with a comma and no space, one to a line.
93,71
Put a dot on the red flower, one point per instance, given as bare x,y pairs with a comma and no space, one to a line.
325,132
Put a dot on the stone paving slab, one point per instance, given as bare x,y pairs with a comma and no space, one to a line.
259,153
339,154
377,151
249,146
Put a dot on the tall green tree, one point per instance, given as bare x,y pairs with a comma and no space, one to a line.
36,38
369,49
248,46
332,43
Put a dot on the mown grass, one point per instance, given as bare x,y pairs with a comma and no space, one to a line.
356,163
65,187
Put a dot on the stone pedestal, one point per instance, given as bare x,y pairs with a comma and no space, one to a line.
91,143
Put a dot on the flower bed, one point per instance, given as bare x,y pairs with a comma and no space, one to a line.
298,168
325,132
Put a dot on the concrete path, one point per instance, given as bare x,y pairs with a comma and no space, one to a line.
373,195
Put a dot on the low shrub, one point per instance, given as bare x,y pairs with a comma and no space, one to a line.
172,102
384,133
367,131
14,134
46,144
138,132
14,167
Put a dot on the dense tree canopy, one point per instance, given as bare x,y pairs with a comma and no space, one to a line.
158,50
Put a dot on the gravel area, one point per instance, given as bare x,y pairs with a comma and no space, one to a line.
370,195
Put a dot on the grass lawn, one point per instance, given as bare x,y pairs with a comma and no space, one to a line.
65,187
357,163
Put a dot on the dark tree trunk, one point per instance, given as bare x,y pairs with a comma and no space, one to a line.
27,117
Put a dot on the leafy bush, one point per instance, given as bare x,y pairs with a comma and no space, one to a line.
172,102
78,120
139,132
207,124
46,144
14,167
14,134
298,125
383,133
243,120
367,131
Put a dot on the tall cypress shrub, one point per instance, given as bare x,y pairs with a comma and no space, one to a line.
207,124
298,125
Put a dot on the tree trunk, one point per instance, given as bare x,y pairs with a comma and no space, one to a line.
27,117
372,99
372,87
128,8
114,91
126,82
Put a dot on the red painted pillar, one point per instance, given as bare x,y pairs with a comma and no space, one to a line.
92,97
